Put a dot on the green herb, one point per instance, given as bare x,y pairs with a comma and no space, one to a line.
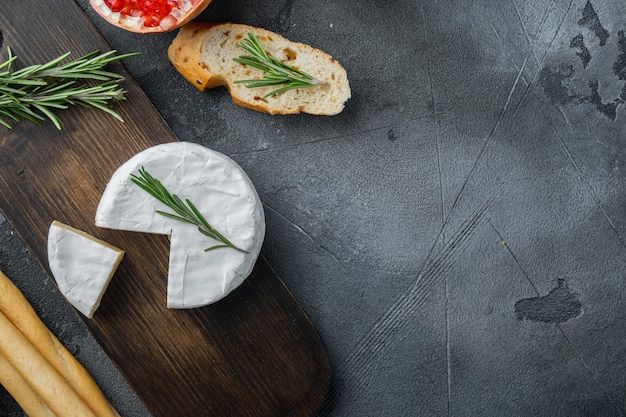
184,211
276,73
34,92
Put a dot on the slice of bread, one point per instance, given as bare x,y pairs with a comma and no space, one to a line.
203,53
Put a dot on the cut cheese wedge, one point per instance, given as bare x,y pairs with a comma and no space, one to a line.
222,193
82,265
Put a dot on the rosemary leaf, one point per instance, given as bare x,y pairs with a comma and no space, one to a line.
276,72
174,216
184,211
33,92
215,247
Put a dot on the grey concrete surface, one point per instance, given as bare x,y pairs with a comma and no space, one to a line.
457,233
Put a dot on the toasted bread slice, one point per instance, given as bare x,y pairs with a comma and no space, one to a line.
203,53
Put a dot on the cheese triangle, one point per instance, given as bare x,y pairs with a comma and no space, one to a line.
82,265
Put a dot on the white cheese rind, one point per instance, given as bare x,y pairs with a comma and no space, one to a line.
82,266
223,194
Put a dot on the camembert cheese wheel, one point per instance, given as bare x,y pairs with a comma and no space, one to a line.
222,193
82,265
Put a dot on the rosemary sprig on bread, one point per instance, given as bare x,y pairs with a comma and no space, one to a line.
276,72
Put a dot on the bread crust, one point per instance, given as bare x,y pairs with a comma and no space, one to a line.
185,54
202,52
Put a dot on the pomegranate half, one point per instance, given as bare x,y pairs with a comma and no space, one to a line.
149,16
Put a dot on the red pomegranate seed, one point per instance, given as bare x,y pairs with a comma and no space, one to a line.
152,12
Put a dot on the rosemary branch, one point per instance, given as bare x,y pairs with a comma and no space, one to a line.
276,72
33,93
183,211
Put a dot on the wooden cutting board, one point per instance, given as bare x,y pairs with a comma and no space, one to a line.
255,353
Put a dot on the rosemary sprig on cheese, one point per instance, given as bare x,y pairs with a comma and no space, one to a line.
276,72
33,93
183,211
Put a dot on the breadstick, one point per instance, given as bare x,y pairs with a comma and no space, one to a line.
19,389
39,374
18,311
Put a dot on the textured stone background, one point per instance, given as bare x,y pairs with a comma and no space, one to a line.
457,233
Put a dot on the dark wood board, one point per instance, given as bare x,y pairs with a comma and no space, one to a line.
255,353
